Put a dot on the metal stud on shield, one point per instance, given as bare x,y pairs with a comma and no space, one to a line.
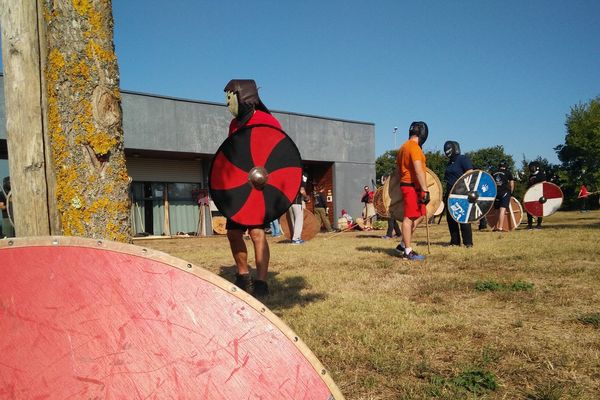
255,175
472,196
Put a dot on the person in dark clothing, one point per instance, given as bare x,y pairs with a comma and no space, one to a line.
320,208
458,164
392,223
536,175
505,184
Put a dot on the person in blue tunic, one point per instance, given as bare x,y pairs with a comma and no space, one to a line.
458,164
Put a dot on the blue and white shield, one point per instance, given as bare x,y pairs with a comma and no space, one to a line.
472,196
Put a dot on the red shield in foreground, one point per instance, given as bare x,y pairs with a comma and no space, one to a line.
87,319
542,199
255,175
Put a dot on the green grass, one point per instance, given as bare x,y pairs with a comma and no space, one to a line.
514,317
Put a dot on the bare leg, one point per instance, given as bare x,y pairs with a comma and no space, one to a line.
501,218
407,231
238,250
261,252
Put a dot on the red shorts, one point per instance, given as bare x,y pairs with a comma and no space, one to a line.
412,207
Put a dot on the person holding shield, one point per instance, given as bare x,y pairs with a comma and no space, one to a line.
410,162
247,109
536,175
458,164
506,185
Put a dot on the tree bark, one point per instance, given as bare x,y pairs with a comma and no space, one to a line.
85,120
23,52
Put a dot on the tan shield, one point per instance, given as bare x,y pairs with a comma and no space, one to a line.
310,227
218,225
392,195
379,204
514,215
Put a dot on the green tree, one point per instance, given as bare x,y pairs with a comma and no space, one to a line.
580,154
437,162
385,164
489,158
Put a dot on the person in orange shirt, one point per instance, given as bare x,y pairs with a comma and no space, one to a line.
410,162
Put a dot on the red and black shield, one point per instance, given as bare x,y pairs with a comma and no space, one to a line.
255,175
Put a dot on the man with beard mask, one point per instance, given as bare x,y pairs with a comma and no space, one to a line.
458,164
245,105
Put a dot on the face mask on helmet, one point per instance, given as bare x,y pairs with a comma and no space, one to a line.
419,129
451,149
503,164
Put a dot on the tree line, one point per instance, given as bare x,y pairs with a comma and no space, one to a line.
579,157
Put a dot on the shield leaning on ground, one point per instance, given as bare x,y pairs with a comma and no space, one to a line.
543,199
472,196
255,175
392,195
87,318
514,215
310,225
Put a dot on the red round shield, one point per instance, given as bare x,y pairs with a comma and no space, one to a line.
255,175
543,199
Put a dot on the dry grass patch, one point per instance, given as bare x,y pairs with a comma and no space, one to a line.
515,317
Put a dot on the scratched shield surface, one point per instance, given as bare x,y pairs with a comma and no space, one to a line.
82,318
472,196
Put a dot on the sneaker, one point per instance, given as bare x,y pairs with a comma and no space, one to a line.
261,289
412,256
244,282
529,227
400,248
297,241
386,237
538,227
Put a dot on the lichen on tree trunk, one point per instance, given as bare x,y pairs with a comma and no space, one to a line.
85,119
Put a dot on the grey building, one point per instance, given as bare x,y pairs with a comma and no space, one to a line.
169,144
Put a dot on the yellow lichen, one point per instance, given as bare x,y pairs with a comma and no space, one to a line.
94,51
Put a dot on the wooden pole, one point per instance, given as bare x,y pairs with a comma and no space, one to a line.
23,54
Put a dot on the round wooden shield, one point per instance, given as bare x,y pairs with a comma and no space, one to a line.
379,204
472,196
91,319
255,175
543,199
392,195
219,225
514,215
310,226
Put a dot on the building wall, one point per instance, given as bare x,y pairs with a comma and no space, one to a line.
179,128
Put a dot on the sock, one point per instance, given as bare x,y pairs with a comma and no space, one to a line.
407,250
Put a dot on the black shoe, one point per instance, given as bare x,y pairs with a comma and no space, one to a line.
529,227
400,249
538,227
261,289
244,282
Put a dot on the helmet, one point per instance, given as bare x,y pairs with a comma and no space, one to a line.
534,167
503,164
246,92
451,149
419,129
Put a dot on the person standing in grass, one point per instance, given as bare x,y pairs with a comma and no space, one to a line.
458,164
583,195
506,185
410,162
320,207
247,109
368,208
536,175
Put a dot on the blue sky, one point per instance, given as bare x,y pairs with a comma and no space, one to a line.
481,72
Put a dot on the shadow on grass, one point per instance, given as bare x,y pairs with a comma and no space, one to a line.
284,292
372,249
